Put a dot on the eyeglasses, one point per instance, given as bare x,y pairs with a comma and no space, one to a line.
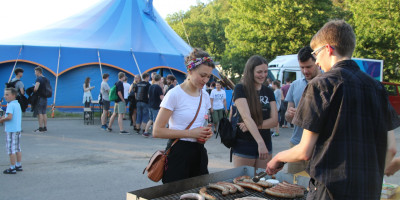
315,53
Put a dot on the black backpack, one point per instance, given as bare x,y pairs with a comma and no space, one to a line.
227,129
12,84
48,90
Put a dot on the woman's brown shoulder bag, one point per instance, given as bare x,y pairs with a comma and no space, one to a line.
156,167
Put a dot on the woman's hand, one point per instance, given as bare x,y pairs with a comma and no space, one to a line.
262,151
203,133
243,127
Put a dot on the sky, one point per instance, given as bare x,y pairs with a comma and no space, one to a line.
23,16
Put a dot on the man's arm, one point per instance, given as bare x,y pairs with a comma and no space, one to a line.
22,91
290,112
391,148
121,96
211,101
37,84
302,151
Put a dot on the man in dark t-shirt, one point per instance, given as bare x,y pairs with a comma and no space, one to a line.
142,105
41,106
119,106
171,81
347,121
155,97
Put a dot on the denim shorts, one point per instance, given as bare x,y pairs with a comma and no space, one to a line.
153,114
142,113
249,149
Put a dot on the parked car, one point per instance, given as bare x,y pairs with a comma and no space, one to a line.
393,90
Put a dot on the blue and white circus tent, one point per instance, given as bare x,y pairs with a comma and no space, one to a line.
113,36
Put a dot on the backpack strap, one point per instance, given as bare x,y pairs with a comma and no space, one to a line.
190,124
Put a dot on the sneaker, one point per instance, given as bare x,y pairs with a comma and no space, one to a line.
124,133
10,171
45,129
275,134
145,134
19,169
39,130
109,129
104,127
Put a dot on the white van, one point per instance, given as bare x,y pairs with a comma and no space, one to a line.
288,66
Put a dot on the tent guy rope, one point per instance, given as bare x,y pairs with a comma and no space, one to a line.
20,49
53,107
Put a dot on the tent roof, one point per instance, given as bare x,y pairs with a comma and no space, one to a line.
113,25
115,28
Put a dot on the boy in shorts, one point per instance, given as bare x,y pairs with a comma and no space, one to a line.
12,120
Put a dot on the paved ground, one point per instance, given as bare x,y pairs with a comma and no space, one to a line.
77,161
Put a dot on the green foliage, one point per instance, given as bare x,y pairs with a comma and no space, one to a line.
204,26
273,27
234,30
376,24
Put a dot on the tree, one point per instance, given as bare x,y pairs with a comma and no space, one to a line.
203,26
272,27
376,24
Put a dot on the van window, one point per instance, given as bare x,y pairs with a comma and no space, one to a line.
273,74
391,90
289,74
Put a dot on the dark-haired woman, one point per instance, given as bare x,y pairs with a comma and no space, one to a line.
258,112
87,94
188,157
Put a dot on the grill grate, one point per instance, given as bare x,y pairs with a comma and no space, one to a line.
218,195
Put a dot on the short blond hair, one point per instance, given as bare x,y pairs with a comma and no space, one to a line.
338,34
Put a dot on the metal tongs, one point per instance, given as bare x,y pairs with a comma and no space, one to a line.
258,176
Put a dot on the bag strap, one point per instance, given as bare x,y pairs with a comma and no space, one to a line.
190,124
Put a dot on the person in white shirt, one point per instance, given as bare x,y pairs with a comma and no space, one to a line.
218,102
87,94
188,157
127,86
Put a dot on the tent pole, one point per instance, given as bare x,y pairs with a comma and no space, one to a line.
187,37
133,55
169,67
101,69
20,49
53,107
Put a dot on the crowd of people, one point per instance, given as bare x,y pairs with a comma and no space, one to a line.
342,117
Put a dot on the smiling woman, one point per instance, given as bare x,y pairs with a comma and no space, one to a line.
258,111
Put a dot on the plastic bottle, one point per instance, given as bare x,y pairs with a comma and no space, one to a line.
205,124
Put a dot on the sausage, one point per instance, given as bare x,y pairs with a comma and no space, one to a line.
232,189
252,186
294,185
278,193
260,183
192,196
297,191
224,189
251,198
238,187
240,178
203,192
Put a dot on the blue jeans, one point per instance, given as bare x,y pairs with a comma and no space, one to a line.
153,114
142,115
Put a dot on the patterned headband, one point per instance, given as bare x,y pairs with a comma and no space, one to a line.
192,64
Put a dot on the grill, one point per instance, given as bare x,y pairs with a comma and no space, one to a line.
192,185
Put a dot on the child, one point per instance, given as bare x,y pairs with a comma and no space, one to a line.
12,120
